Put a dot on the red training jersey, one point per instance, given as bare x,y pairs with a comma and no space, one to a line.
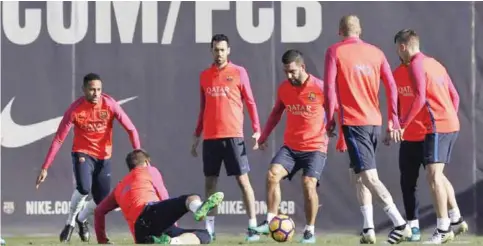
353,70
435,96
92,128
138,188
305,127
222,92
416,131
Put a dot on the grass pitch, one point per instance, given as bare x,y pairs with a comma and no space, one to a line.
324,239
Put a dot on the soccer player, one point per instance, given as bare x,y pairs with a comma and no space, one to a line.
429,105
92,117
148,209
305,141
353,69
223,88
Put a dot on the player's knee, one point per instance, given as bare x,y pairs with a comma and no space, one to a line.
203,236
369,179
434,176
243,181
310,185
274,174
211,182
83,190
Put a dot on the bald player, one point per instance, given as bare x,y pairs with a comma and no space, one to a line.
149,211
353,70
434,106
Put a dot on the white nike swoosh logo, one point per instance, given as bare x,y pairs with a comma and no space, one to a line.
15,135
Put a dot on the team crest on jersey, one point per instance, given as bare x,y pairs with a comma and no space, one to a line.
229,78
312,96
103,114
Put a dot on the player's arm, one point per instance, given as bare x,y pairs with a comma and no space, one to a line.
107,205
62,132
158,183
273,119
199,124
418,79
341,145
391,94
330,74
127,124
455,98
247,95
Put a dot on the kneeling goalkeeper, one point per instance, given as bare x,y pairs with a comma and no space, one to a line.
150,213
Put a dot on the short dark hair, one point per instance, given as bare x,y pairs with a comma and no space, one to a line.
90,77
405,35
136,158
292,56
219,38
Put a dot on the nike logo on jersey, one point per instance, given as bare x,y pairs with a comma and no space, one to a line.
15,135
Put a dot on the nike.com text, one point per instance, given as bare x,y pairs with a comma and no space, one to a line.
47,207
23,25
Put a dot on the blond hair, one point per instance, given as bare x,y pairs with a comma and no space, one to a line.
350,25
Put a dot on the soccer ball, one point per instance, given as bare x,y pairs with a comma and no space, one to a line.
282,228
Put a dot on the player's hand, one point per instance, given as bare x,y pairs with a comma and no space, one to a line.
194,146
262,146
255,138
331,129
41,178
393,136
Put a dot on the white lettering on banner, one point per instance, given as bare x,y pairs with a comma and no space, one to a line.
11,23
237,207
78,22
126,16
47,207
244,23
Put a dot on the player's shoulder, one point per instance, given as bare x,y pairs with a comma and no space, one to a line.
284,85
373,49
317,82
109,100
76,104
153,170
207,71
237,68
400,69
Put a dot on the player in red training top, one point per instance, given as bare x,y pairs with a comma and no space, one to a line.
411,153
149,211
92,117
431,115
223,88
353,70
305,139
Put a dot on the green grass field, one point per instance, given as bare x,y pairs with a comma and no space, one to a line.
331,239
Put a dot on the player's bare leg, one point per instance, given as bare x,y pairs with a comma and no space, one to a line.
211,183
77,202
364,197
458,224
311,207
249,201
275,174
437,184
371,180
